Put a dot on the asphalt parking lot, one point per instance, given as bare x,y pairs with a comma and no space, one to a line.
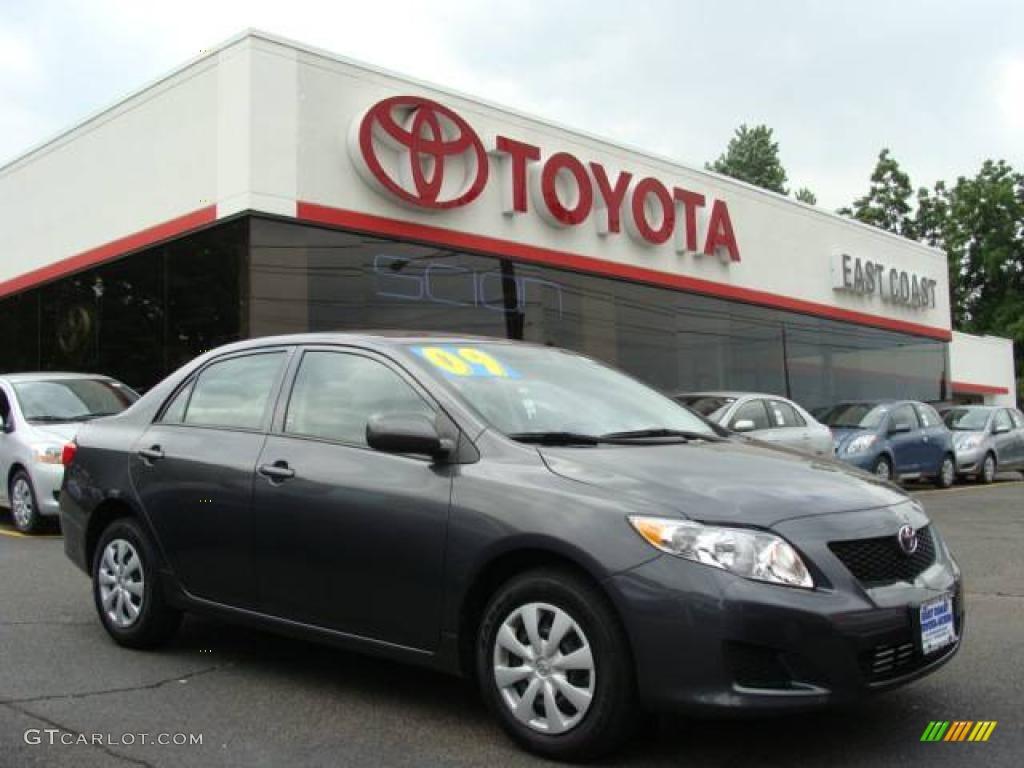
261,700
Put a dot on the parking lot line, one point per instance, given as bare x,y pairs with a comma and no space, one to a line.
16,535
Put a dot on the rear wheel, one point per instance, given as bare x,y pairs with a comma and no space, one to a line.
554,666
24,507
126,587
947,472
988,469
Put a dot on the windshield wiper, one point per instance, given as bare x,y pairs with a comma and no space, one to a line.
642,434
555,438
50,419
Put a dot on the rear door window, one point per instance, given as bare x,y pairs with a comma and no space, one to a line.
754,411
234,393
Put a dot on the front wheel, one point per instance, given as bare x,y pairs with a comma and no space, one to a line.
947,472
883,468
126,587
554,666
988,469
24,507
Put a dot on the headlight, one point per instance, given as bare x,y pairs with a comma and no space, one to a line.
968,443
861,443
47,453
751,554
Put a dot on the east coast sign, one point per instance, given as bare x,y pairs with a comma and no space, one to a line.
422,154
870,278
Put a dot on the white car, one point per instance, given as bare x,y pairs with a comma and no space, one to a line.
39,414
770,418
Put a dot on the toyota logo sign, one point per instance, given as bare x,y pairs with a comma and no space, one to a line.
907,537
420,152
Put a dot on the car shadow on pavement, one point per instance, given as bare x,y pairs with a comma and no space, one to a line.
450,706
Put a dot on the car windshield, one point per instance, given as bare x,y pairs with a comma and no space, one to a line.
966,419
854,415
526,390
57,400
707,405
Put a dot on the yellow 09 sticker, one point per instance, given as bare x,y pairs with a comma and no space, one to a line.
464,361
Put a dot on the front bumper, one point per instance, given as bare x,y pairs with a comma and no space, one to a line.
864,460
705,639
969,462
46,481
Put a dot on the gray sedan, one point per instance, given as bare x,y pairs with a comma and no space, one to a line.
986,439
770,418
39,414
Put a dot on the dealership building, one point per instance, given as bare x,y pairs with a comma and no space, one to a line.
269,188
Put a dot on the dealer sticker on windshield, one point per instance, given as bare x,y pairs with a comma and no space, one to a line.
465,362
937,629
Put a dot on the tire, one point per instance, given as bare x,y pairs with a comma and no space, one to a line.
24,506
947,472
987,475
592,727
883,468
142,618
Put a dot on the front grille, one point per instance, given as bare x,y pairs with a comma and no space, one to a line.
878,561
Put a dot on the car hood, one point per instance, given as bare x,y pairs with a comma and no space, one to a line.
843,435
735,481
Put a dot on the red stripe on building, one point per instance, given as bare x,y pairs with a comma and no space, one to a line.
379,225
111,250
979,389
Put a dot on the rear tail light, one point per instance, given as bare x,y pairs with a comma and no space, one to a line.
68,453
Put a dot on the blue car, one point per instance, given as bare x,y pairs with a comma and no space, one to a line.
895,440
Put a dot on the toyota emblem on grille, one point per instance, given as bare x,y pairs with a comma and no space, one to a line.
907,538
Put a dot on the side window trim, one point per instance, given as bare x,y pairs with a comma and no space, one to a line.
269,408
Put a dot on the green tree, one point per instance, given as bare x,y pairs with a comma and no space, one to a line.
753,156
804,195
979,223
887,205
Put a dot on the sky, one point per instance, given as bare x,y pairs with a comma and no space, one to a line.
940,83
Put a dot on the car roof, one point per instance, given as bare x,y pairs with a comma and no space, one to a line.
733,394
51,376
373,338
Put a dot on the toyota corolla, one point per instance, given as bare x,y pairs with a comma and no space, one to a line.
582,547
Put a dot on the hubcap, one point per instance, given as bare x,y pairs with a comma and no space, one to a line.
947,472
121,583
21,503
990,468
882,470
544,668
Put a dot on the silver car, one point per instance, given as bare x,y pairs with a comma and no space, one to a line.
770,418
986,439
40,414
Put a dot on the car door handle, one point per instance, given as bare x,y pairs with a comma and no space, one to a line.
153,453
279,470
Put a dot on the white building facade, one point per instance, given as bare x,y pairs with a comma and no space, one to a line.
270,188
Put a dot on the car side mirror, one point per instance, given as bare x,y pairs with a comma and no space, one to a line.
998,430
7,424
743,425
406,433
898,429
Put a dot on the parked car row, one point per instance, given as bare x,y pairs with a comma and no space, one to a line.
895,440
